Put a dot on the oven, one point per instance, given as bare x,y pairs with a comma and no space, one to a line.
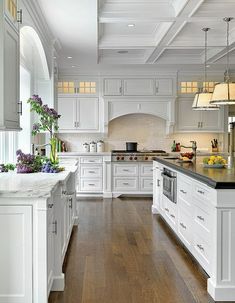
170,184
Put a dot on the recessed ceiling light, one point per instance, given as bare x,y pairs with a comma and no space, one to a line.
123,52
73,65
131,25
54,57
69,57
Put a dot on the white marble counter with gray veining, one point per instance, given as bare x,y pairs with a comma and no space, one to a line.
35,185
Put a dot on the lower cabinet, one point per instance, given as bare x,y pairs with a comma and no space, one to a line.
132,178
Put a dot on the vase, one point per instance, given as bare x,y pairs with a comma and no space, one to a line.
53,152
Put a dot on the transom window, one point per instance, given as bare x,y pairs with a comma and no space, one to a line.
66,87
188,87
87,87
209,86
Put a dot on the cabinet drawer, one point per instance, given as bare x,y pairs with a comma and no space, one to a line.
125,170
203,222
202,192
91,185
91,159
146,169
184,227
185,205
171,212
185,189
120,184
202,253
91,171
146,184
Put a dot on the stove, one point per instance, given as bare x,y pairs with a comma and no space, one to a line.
138,156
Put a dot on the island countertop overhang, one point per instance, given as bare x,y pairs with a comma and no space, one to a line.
215,178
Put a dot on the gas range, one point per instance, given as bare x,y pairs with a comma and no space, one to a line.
138,156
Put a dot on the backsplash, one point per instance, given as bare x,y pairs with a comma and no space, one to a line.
147,130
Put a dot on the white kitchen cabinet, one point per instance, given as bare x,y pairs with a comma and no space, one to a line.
16,234
112,87
9,73
157,188
138,87
189,120
51,230
164,87
78,114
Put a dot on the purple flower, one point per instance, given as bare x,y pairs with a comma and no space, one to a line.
36,127
37,99
18,152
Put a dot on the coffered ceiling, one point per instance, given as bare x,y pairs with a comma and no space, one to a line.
163,32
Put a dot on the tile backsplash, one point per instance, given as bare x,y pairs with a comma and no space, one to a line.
147,130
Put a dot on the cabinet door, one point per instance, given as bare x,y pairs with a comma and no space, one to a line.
88,114
138,87
11,77
212,120
164,87
16,234
188,119
112,87
67,108
51,229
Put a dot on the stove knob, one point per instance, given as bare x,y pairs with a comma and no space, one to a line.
131,158
118,158
146,158
122,158
135,158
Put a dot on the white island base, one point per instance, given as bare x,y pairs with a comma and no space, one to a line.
204,221
37,214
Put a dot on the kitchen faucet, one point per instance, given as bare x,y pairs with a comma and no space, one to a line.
194,147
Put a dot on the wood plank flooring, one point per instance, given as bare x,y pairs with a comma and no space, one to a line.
121,253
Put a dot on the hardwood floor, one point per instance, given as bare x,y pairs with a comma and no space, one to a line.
120,253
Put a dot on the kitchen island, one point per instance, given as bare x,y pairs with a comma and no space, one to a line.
199,205
37,214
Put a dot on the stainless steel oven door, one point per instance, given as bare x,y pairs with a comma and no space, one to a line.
169,187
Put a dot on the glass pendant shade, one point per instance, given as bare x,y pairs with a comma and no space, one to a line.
202,102
224,94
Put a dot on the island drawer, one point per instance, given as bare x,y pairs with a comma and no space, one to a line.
202,252
185,227
203,222
91,159
202,192
184,188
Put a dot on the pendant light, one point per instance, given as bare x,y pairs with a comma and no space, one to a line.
202,99
224,93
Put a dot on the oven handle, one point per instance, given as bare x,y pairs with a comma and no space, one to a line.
167,177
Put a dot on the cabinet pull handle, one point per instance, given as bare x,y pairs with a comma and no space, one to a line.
201,192
158,183
182,224
55,229
91,171
183,192
70,202
201,124
75,124
201,218
91,184
198,125
20,109
200,247
157,89
167,209
19,18
125,183
125,169
120,89
91,161
173,216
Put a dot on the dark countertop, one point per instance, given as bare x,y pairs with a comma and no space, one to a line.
220,178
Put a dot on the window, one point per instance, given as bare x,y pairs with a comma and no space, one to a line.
209,86
189,87
87,87
66,87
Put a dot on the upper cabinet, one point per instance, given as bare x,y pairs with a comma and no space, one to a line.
83,87
189,120
9,66
138,87
78,114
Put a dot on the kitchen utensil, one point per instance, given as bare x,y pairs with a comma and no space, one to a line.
131,146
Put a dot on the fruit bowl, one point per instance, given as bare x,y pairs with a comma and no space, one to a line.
214,162
186,157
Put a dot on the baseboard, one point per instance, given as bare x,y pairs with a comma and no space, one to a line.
221,293
58,283
154,210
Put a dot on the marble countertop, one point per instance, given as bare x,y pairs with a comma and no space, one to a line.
74,154
35,185
222,178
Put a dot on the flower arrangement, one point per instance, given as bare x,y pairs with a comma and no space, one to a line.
48,121
27,163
